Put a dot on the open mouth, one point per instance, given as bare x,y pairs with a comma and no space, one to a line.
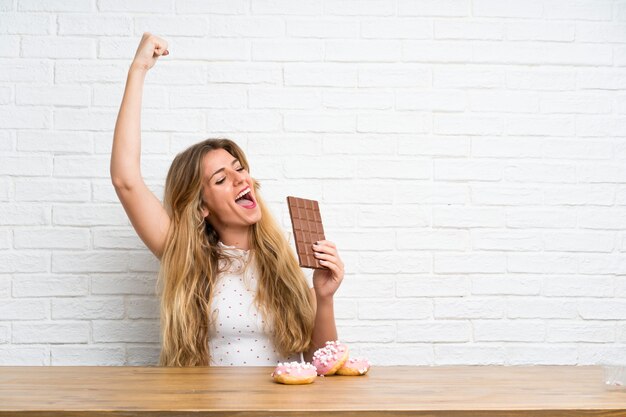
245,199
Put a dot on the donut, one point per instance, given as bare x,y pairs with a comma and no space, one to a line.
294,373
330,357
354,366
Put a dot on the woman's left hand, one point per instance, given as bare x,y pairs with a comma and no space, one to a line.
326,281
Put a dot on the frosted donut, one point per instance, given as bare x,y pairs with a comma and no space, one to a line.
294,373
354,366
330,357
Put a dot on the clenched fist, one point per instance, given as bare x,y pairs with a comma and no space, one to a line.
149,50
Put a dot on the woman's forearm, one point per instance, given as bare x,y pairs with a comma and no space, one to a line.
126,151
325,328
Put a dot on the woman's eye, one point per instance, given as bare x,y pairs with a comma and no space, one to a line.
240,169
220,181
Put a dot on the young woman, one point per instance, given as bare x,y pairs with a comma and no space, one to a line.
232,292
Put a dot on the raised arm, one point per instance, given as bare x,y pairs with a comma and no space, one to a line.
145,211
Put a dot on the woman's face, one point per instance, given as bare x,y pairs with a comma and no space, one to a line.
224,180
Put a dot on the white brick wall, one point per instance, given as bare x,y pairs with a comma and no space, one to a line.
469,157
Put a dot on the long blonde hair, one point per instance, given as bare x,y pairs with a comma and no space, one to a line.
189,269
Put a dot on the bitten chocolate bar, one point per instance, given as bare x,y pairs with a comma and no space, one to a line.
307,229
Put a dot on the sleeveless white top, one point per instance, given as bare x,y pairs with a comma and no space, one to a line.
238,338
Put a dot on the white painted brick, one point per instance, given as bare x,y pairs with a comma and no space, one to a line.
529,308
142,331
9,46
218,49
104,192
57,238
343,191
620,286
506,285
446,263
60,142
6,189
151,143
503,195
370,240
142,308
284,98
26,24
550,53
621,333
363,50
56,6
5,239
608,309
540,31
24,261
478,170
276,192
212,6
594,354
86,24
394,262
396,310
248,73
24,118
320,75
87,355
357,100
88,308
109,238
432,240
76,71
245,121
531,218
405,353
619,58
401,28
431,101
572,286
289,50
601,218
143,355
262,144
345,310
534,354
244,26
509,330
353,333
61,332
142,6
435,331
24,309
506,240
51,95
577,102
48,285
57,47
52,189
440,286
322,28
124,283
359,8
600,126
208,97
460,29
389,168
507,8
503,101
319,122
27,166
73,119
81,166
6,97
579,241
469,354
89,215
397,216
467,217
89,262
25,70
23,213
508,147
5,336
448,8
123,48
578,9
389,75
600,78
143,261
450,146
438,52
580,195
469,308
587,331
399,122
541,263
24,355
451,77
452,124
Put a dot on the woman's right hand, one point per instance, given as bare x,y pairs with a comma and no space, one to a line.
150,48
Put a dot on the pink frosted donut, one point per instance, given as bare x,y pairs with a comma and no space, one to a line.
330,357
294,373
354,366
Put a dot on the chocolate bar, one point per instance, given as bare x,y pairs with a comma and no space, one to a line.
307,229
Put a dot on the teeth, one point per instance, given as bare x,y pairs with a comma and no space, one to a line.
241,194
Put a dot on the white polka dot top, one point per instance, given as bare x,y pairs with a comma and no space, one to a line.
238,338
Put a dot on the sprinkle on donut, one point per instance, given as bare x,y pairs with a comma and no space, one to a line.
330,358
293,373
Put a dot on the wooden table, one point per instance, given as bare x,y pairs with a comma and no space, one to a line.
450,391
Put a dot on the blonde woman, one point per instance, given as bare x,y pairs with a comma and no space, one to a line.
232,292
